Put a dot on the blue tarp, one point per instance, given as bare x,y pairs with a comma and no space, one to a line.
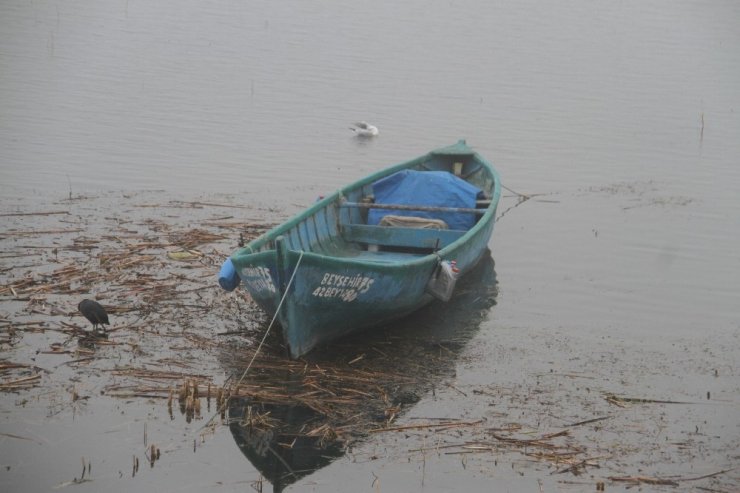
427,188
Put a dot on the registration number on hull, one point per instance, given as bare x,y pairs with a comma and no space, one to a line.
345,288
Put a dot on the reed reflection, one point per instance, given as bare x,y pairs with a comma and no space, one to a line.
291,418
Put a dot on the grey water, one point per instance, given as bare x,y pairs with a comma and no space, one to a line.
620,118
623,99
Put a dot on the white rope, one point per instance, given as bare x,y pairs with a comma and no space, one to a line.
262,342
274,317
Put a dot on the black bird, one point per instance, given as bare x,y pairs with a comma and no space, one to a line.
94,312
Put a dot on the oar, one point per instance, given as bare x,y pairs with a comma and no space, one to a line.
403,207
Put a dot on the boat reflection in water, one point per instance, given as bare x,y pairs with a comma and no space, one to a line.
295,417
273,437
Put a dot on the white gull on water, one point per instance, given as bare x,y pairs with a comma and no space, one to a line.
364,129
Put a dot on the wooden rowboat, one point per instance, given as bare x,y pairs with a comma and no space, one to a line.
375,250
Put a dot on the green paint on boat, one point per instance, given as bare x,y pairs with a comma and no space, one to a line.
330,273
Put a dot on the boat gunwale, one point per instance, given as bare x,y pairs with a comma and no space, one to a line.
255,246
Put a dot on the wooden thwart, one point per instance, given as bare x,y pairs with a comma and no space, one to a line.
402,237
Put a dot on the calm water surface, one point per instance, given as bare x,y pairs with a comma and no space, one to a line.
627,113
624,115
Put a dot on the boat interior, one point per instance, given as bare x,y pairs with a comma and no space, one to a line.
338,225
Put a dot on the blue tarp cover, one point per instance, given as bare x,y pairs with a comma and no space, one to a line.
427,188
